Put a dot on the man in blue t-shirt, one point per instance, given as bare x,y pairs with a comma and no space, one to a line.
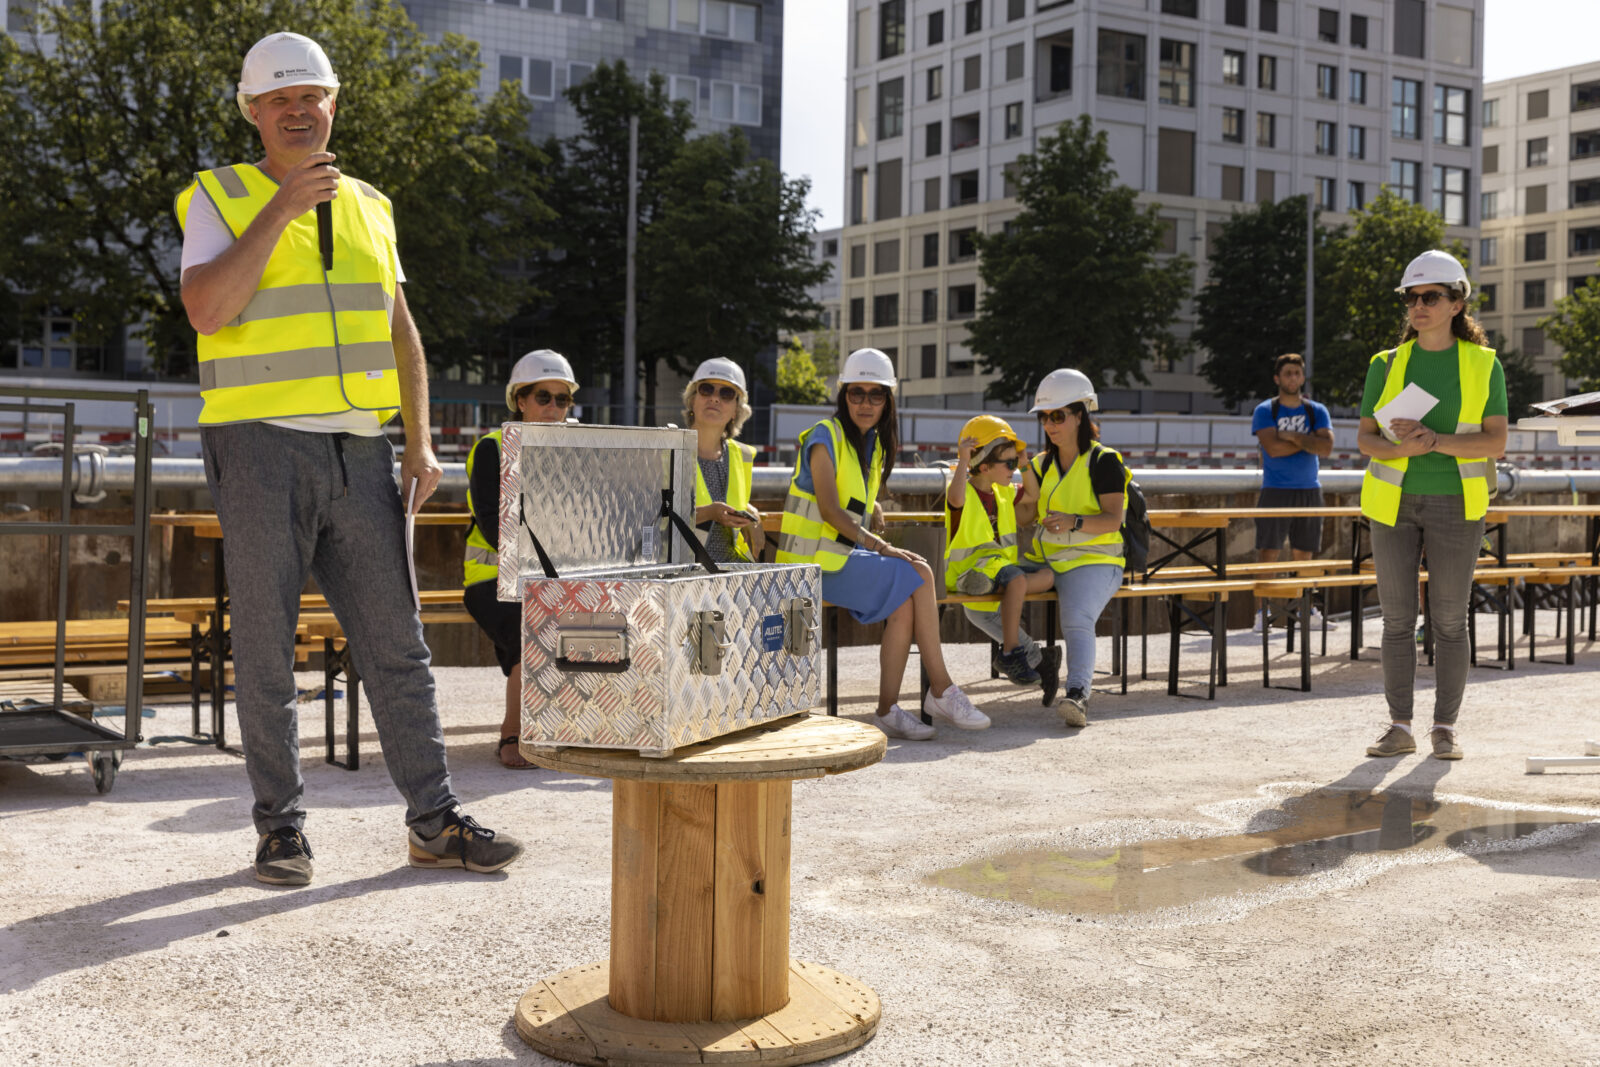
1291,431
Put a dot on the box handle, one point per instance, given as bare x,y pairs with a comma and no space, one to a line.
594,642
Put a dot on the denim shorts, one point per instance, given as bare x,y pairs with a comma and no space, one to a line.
1010,571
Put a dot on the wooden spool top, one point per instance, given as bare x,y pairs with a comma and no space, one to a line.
802,746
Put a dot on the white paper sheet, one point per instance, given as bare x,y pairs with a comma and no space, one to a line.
411,538
1413,402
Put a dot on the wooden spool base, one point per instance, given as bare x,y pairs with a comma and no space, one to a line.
568,1017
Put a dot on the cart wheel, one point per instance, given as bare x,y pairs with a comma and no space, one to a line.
104,767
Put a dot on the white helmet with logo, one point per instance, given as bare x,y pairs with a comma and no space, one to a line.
282,59
538,366
868,365
1436,268
723,370
1062,387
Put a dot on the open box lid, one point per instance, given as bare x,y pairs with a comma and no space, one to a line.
1569,429
593,497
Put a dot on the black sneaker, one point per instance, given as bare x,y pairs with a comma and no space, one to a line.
1050,673
463,843
1014,665
283,857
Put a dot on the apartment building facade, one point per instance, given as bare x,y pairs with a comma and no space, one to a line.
1208,105
1541,206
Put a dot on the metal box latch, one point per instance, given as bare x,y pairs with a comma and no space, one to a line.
799,626
706,633
592,640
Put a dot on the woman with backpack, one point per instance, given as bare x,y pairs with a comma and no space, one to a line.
1081,487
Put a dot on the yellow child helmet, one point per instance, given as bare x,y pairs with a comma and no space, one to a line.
986,428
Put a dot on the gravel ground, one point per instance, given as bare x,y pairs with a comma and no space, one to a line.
132,931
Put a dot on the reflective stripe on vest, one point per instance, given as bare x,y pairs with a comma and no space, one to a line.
1381,486
1073,494
482,562
305,344
804,537
974,545
741,461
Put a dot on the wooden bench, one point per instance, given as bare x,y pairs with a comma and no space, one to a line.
95,651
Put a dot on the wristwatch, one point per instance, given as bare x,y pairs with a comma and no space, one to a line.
1077,523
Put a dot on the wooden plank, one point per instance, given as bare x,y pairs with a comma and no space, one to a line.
813,1020
854,998
617,1037
544,1023
739,903
775,932
685,880
635,830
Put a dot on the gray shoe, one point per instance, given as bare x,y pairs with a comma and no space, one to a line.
1444,744
974,583
463,843
283,857
1394,742
1074,708
1014,665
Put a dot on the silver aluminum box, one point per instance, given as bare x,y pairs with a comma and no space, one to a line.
634,645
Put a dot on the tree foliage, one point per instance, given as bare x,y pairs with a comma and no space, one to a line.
799,380
1524,384
129,101
1575,326
1076,281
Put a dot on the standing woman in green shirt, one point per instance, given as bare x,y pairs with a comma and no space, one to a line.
1427,488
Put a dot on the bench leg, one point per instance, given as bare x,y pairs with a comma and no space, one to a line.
1266,644
194,679
218,730
1123,617
1144,639
1571,625
330,668
1222,653
1219,640
833,659
352,703
1305,641
1174,614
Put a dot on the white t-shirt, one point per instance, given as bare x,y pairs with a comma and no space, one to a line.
205,238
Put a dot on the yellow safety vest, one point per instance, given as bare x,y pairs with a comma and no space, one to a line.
975,544
482,562
741,461
1073,493
804,537
1381,485
305,344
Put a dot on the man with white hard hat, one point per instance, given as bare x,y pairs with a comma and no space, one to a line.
306,348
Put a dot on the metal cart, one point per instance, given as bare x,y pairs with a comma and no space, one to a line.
50,730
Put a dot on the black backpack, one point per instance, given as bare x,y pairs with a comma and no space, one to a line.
1135,519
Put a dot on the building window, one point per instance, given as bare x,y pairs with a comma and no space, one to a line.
1405,176
1014,61
1406,109
1491,159
1586,144
1355,196
1358,87
1585,240
1538,151
936,28
1491,113
685,89
1266,72
1586,96
1327,81
962,302
1267,22
1233,183
858,261
1327,193
964,188
959,364
1177,73
971,73
1533,247
1450,108
1533,294
863,110
1327,25
1266,190
1233,124
935,83
858,195
886,256
1358,31
1060,65
930,247
1584,192
1408,21
1532,341
933,138
891,108
1232,67
1266,129
1175,162
1539,104
889,189
1488,251
973,16
962,245
1008,185
1236,12
55,346
1016,9
830,248
739,104
1013,121
930,305
1452,34
930,194
1487,294
1121,65
885,310
930,360
1187,8
536,76
1489,206
1358,142
1327,139
891,28
1450,194
964,131
858,313
1535,199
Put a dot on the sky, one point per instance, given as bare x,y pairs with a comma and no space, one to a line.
1520,37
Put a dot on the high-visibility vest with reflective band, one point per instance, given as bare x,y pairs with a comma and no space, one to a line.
977,544
805,538
482,563
304,344
1381,486
741,461
1073,493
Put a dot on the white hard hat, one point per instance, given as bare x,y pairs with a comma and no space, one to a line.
868,365
282,59
538,366
1436,268
723,370
1062,387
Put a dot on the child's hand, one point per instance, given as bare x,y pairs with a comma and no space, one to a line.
964,449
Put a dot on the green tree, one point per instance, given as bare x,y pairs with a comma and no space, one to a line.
1075,281
1575,326
799,380
127,102
1252,308
1524,384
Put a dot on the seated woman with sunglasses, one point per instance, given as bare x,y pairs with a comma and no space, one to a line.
833,497
1081,489
714,406
540,390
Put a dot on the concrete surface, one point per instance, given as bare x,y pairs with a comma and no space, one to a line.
132,932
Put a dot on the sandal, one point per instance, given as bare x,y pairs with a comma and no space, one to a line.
511,739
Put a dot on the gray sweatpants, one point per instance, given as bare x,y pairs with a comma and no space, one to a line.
1431,524
989,623
293,503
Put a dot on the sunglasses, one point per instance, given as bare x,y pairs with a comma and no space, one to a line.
1010,464
1056,417
726,393
544,397
1428,299
876,397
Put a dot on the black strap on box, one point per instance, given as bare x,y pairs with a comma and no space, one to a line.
544,557
701,556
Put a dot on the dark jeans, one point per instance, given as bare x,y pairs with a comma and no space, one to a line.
1431,524
293,503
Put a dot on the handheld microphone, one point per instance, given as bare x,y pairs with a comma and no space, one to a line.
325,233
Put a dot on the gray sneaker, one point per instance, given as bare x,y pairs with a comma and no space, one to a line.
1074,708
1014,665
463,843
1394,742
974,583
1444,744
283,857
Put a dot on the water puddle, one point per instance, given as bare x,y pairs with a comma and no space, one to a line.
1304,835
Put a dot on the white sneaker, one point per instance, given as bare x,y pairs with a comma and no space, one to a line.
955,709
1261,622
1315,619
901,723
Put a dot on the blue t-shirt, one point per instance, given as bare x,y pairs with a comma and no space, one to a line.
1299,470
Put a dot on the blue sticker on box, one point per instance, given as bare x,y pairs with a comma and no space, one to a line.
772,633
